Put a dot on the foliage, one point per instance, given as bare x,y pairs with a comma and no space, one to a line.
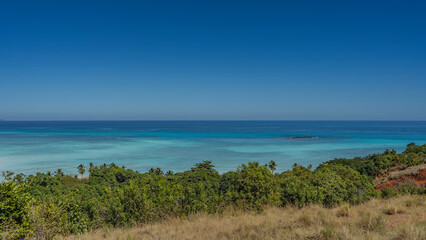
373,165
272,166
14,205
253,186
45,205
389,192
81,169
329,185
299,191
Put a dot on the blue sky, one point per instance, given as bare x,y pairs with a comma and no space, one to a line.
276,60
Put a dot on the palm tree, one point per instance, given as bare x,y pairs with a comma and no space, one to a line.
81,169
91,167
7,175
158,171
272,165
59,172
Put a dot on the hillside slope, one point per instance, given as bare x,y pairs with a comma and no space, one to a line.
397,218
412,176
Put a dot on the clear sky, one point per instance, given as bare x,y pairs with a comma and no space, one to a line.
277,60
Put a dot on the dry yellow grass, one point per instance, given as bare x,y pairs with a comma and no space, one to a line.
397,218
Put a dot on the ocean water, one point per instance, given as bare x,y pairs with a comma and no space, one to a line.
41,146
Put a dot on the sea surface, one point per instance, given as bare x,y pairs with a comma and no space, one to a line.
41,146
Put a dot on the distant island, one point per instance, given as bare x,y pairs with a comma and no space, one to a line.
300,137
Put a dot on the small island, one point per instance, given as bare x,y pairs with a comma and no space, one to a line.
302,137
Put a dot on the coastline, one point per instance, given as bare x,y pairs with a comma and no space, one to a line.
58,204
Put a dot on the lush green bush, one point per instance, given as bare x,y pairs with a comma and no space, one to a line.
343,184
200,187
299,191
253,185
14,205
330,185
389,192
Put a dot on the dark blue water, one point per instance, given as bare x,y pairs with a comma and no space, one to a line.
176,145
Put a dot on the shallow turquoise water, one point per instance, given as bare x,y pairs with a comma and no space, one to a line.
176,145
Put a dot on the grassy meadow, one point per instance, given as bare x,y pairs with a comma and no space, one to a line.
401,217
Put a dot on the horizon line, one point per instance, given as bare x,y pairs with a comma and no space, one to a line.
206,120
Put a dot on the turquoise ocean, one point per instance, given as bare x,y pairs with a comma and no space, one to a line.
41,146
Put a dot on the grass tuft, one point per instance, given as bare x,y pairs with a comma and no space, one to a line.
415,201
372,221
343,211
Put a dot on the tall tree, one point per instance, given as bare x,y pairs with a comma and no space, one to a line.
81,169
272,166
91,167
59,172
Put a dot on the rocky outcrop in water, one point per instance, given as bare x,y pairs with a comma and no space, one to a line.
301,137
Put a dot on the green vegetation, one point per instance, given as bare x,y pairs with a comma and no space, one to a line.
398,218
373,165
329,185
81,169
46,205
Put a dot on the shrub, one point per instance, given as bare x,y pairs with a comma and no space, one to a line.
299,192
254,185
389,192
14,201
